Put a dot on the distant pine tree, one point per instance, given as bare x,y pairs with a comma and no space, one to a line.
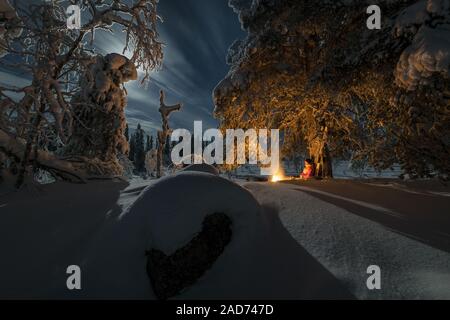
132,153
149,143
139,160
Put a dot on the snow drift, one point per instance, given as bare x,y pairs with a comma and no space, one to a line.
261,260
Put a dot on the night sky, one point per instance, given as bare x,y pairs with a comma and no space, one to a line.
196,34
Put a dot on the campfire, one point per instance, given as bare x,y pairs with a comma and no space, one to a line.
278,176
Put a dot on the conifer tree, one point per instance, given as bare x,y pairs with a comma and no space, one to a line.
132,153
149,143
139,160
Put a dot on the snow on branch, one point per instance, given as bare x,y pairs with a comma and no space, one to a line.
429,51
61,87
139,22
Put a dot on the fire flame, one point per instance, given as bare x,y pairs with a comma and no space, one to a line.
278,176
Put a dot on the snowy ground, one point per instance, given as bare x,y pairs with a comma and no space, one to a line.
318,250
347,244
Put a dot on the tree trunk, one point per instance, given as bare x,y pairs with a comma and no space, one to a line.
323,161
165,112
31,143
17,148
320,155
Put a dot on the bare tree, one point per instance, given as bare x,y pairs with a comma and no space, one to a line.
165,112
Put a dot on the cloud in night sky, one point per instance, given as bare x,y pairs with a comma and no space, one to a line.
196,34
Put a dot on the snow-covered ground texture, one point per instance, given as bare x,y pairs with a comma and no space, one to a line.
347,245
285,244
261,261
106,228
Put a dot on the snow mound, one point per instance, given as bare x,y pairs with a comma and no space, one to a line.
176,206
166,216
261,261
206,168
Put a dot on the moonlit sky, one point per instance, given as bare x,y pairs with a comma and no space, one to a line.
196,34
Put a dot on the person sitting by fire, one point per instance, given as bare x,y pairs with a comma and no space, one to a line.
308,170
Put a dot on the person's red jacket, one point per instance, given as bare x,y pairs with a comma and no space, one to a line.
307,172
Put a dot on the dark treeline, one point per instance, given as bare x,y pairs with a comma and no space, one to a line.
141,143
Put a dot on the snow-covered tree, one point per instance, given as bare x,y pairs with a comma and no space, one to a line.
151,161
139,156
336,88
150,156
64,87
98,134
149,143
132,144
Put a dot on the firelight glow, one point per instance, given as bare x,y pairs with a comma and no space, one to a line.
276,178
278,175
